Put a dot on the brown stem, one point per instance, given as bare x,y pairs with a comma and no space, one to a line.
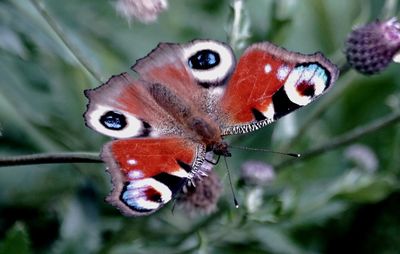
346,138
50,158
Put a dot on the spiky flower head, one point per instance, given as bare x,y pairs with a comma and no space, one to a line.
371,48
145,11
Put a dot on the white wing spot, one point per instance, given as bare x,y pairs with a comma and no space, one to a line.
267,68
270,112
283,71
132,162
135,174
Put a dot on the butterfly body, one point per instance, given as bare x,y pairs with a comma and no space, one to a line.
188,97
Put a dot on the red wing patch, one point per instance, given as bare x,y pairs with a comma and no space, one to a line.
252,85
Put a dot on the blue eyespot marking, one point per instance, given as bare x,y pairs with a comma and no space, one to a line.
113,120
204,60
317,70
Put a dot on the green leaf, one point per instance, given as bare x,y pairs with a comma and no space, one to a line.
362,187
16,241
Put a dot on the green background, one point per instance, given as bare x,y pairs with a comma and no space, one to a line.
325,204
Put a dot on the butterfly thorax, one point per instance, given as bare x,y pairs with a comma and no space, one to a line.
197,125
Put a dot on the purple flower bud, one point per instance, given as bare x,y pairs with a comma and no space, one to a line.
145,11
257,172
371,48
363,157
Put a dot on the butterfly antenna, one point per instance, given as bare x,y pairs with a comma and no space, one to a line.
173,206
296,155
230,183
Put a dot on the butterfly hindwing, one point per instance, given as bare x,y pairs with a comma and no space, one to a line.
270,82
149,172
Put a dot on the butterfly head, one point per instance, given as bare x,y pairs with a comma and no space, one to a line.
221,148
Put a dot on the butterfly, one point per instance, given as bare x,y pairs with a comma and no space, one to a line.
187,98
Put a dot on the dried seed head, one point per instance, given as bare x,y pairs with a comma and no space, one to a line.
371,48
202,193
145,11
201,196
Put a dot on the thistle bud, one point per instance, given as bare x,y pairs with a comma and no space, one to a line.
257,173
145,11
371,48
362,157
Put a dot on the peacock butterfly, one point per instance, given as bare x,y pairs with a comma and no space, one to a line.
187,98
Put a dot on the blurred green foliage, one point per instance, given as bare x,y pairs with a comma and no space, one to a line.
323,205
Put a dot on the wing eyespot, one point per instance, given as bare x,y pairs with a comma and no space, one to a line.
210,62
306,82
204,60
113,120
116,123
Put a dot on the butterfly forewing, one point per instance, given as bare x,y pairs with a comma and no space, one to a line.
196,71
123,108
270,82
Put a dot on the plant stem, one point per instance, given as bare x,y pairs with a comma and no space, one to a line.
39,6
86,157
346,138
50,158
239,26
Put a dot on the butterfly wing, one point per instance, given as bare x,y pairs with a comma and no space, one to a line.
270,82
196,71
148,172
177,82
123,108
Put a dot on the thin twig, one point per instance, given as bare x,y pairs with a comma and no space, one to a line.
50,158
85,157
345,138
239,27
68,44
